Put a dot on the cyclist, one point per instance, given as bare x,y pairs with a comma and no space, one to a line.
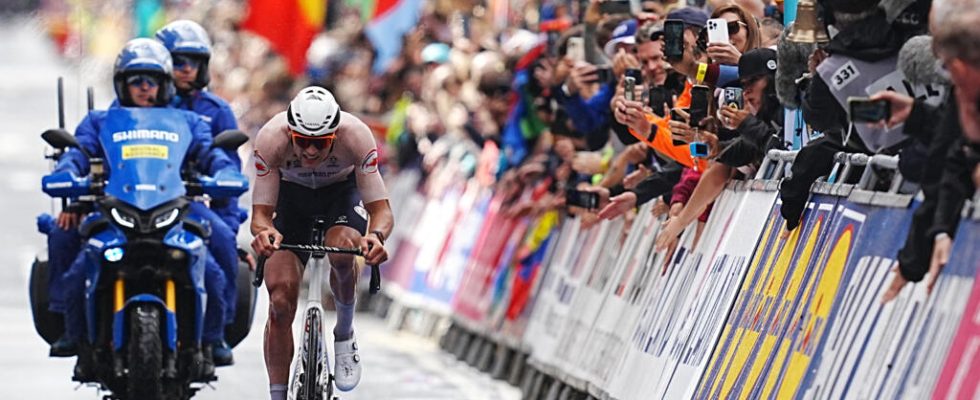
141,78
314,159
190,48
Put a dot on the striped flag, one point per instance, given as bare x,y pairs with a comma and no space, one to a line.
288,25
389,21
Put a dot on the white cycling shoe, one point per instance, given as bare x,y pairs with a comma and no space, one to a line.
347,370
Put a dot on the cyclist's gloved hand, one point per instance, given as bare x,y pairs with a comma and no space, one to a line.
373,250
267,242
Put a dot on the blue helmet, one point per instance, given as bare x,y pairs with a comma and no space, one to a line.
141,56
187,38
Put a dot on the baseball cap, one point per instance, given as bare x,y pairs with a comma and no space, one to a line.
757,62
624,33
690,16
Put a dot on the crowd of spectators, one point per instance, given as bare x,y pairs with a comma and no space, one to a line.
541,105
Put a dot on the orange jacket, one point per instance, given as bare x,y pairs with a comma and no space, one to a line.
663,142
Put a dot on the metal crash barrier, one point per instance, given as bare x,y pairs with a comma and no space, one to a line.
564,308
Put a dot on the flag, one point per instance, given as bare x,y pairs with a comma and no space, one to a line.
288,25
523,125
390,20
532,255
149,16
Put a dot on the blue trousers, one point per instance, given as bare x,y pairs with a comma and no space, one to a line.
63,247
223,247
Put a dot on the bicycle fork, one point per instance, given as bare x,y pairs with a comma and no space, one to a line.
312,379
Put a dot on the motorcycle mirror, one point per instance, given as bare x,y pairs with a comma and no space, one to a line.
59,138
230,139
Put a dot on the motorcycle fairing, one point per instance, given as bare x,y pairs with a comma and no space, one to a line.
145,150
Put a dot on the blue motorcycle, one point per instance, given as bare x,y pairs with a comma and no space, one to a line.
145,253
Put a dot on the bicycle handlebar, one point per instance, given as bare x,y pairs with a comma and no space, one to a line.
374,287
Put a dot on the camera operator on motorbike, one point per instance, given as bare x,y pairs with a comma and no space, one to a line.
141,78
190,49
313,159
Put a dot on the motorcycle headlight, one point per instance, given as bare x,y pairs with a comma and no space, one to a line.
166,219
122,218
113,254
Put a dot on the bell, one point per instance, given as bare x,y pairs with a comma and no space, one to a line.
807,28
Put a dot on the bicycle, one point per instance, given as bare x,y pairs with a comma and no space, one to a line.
312,377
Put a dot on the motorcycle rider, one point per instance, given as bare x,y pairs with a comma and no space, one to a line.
141,78
190,49
314,159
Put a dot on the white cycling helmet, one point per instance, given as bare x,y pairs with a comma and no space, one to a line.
313,112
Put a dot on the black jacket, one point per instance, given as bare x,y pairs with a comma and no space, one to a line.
936,128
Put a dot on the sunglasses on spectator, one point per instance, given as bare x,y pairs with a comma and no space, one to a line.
495,91
140,79
181,61
735,26
319,142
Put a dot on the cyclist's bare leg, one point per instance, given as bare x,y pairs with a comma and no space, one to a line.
282,278
343,277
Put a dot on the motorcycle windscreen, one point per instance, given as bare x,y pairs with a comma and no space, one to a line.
144,150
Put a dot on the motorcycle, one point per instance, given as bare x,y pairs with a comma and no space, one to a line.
145,255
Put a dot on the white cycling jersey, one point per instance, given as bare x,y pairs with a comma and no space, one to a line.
354,150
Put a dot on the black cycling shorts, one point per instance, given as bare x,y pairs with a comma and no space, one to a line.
340,203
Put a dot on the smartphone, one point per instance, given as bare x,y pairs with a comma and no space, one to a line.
699,149
700,95
673,39
576,49
733,98
552,39
629,86
604,74
636,74
863,109
717,30
578,198
615,7
658,97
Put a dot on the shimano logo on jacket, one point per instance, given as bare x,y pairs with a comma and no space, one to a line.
151,134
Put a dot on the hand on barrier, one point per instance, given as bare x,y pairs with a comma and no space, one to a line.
667,237
895,287
618,205
659,209
941,249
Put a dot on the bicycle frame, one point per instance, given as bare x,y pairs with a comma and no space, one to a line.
312,378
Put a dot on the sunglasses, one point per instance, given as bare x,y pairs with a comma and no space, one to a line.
734,27
140,79
319,142
182,61
495,91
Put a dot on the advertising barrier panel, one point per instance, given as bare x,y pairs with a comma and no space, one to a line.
960,378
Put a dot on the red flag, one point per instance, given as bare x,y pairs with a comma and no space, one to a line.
288,25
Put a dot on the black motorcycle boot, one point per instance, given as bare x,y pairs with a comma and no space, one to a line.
64,347
207,364
84,367
221,354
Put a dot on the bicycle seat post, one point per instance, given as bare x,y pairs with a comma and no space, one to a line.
317,236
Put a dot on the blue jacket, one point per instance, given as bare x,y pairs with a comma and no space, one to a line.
588,116
209,160
215,111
